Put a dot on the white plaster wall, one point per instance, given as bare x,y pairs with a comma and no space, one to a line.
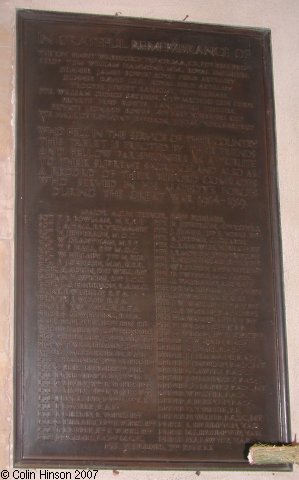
282,16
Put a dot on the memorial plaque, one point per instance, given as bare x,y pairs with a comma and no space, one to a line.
149,305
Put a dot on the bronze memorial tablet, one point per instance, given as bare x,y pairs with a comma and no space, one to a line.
149,305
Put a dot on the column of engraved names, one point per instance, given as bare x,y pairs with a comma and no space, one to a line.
101,351
168,341
215,295
169,353
47,308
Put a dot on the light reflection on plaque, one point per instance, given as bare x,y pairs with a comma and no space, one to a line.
149,320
